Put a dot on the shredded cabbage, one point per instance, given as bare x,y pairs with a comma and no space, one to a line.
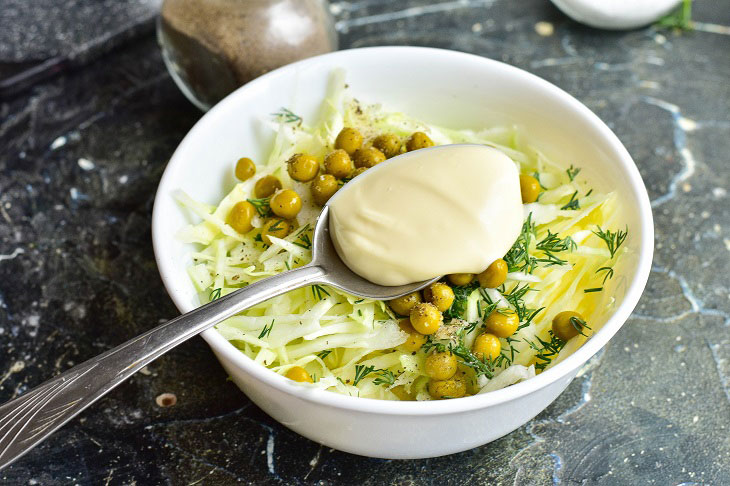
351,345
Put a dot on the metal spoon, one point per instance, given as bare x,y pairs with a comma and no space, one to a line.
27,420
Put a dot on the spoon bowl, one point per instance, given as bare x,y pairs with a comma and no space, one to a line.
339,275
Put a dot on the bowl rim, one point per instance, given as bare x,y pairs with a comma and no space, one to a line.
225,350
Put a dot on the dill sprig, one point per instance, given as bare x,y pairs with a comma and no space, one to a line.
613,240
518,257
461,294
471,326
579,324
552,244
261,205
324,354
516,298
488,300
516,294
287,116
385,377
215,294
609,273
318,291
266,330
512,349
573,204
572,172
303,241
529,315
480,366
361,371
680,19
546,351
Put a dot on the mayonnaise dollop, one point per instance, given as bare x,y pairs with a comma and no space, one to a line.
431,212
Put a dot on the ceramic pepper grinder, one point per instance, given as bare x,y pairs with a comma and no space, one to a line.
211,47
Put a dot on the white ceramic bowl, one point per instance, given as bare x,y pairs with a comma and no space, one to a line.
616,14
445,87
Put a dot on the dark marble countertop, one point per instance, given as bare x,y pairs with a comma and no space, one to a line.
83,143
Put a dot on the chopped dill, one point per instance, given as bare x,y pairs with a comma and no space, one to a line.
609,273
613,240
516,294
518,258
430,344
303,229
589,193
515,297
266,330
680,19
303,240
596,289
261,205
385,377
258,238
324,354
552,244
277,225
461,294
487,299
318,291
480,366
579,324
471,326
573,204
287,116
512,349
529,316
287,265
546,351
491,307
536,175
572,172
215,294
361,371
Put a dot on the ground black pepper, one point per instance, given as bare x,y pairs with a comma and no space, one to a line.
214,46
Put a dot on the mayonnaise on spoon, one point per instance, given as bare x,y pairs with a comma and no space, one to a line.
431,212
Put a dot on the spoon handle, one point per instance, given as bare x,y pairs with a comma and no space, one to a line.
27,420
